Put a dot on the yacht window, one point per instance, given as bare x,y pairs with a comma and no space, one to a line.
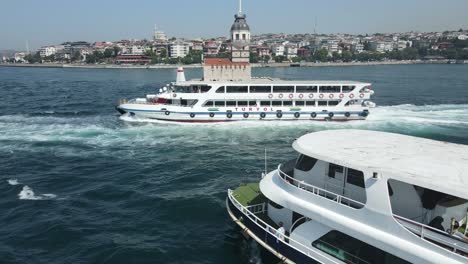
283,89
220,103
310,103
354,251
329,89
265,103
305,163
322,103
355,177
220,89
300,103
260,89
241,103
252,103
208,103
236,89
287,103
306,89
276,103
333,168
333,103
230,103
347,88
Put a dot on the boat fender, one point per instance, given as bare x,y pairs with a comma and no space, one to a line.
211,114
347,114
321,96
311,95
270,96
341,95
192,115
280,96
291,96
331,96
297,115
279,114
313,115
331,114
351,95
229,115
361,95
262,115
167,112
301,96
246,115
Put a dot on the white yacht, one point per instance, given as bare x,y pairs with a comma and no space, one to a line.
227,92
354,196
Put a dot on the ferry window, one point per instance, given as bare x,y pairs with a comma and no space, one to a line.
287,103
220,103
200,88
355,177
283,89
208,103
236,89
276,103
347,88
322,103
329,89
354,251
306,89
333,169
265,103
230,103
220,89
310,103
260,89
333,103
192,102
169,101
275,205
300,103
252,103
305,163
241,103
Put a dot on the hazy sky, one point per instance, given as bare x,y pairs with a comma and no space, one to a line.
45,22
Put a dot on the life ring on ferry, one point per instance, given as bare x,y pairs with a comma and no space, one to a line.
279,115
313,115
361,95
321,96
347,114
341,95
331,96
297,115
192,115
280,95
270,96
331,114
311,96
229,115
262,115
167,113
301,96
212,114
246,115
291,96
174,95
351,95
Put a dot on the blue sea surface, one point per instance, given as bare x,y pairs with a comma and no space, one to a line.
79,185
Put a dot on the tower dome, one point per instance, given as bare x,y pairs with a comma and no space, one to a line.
240,23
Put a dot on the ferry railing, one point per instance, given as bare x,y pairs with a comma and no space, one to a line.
319,191
434,235
304,249
257,208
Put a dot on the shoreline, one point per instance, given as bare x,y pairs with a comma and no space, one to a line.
254,65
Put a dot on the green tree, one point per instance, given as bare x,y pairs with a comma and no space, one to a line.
163,53
253,58
280,58
321,55
346,56
116,51
108,53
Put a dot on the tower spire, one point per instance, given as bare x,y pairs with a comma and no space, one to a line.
240,7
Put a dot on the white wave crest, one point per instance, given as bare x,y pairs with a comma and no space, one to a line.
13,182
28,194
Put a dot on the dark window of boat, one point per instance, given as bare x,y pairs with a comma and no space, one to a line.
310,103
183,102
208,103
201,88
265,103
220,103
276,103
287,103
252,103
355,177
305,163
169,101
347,88
333,103
275,205
230,103
322,103
260,89
300,103
236,89
390,189
220,90
333,168
306,89
354,251
283,89
329,89
241,103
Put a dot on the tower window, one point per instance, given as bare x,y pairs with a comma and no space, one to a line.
237,36
243,36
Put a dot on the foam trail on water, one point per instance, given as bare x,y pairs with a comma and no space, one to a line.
13,182
28,194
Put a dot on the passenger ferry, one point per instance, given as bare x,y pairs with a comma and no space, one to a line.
253,100
354,196
227,92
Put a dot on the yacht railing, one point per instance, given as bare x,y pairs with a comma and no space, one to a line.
304,249
434,235
319,191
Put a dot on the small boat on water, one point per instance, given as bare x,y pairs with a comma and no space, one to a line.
355,196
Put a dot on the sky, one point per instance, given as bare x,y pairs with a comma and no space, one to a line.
47,22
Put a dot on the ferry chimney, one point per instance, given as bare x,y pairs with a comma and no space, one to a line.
180,75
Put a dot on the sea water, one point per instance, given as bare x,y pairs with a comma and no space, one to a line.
79,185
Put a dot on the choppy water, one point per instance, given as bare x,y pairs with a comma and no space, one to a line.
80,186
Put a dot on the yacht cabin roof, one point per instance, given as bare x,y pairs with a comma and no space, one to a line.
271,81
436,165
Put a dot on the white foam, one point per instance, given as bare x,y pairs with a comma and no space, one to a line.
28,194
13,182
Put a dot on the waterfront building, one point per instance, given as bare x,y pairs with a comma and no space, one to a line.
381,46
47,51
179,49
357,47
132,59
159,35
